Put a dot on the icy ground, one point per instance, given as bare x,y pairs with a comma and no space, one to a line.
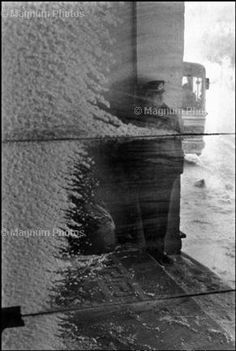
208,210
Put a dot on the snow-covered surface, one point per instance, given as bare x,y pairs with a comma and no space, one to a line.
35,178
208,212
47,70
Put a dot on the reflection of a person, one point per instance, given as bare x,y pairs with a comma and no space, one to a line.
189,97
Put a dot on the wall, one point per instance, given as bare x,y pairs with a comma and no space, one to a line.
37,175
149,44
160,45
123,74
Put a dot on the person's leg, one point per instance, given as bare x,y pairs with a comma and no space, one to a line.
154,201
155,215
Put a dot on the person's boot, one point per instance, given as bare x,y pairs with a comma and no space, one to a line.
157,251
161,257
164,259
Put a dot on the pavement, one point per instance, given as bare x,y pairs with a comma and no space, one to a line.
131,302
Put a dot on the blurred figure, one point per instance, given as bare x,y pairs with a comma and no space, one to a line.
151,167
